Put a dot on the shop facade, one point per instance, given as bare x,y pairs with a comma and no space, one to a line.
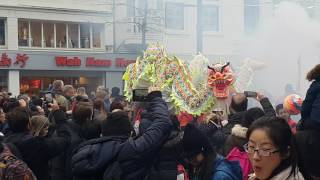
32,72
45,41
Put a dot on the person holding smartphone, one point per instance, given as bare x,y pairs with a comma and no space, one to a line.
238,106
131,156
237,138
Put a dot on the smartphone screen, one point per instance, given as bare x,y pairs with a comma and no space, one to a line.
220,113
140,94
250,93
49,98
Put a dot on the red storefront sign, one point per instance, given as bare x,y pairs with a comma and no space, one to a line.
64,61
91,61
21,59
122,62
5,60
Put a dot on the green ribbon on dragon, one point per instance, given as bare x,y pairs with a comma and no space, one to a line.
173,76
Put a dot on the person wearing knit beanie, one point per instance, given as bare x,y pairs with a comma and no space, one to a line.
204,163
195,142
117,123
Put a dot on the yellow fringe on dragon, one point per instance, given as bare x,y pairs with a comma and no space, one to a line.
174,78
195,88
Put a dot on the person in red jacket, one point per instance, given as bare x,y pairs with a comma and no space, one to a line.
281,112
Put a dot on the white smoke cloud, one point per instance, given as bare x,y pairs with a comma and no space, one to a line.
281,40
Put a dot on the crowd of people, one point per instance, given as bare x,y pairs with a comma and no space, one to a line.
64,134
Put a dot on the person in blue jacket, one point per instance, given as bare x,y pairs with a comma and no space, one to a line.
202,160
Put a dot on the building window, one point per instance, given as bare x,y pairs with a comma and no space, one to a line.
96,35
23,34
251,15
61,37
210,18
73,34
135,7
2,32
85,35
35,27
139,7
48,34
160,4
174,16
131,8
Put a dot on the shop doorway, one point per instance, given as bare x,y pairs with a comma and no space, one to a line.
3,80
33,83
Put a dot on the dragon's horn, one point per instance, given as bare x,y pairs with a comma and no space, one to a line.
211,69
222,69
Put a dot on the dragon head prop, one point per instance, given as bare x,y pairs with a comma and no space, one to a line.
220,77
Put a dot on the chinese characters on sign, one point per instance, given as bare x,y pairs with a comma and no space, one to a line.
21,59
64,61
5,60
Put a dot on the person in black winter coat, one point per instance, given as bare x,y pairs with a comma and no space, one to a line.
308,134
165,166
310,110
37,151
134,156
81,128
238,106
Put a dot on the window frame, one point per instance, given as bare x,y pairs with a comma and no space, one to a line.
5,33
101,35
218,18
247,25
29,45
90,36
30,34
43,35
77,25
183,16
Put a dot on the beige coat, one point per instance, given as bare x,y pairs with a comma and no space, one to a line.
283,176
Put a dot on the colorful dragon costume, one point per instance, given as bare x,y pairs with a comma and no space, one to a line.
173,76
194,88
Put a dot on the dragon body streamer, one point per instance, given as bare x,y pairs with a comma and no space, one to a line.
194,88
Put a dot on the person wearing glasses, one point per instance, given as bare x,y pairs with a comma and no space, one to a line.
272,151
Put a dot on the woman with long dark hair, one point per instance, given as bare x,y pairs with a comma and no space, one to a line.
202,161
272,151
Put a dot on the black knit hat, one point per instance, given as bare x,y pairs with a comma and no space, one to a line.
117,123
115,92
195,142
251,115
